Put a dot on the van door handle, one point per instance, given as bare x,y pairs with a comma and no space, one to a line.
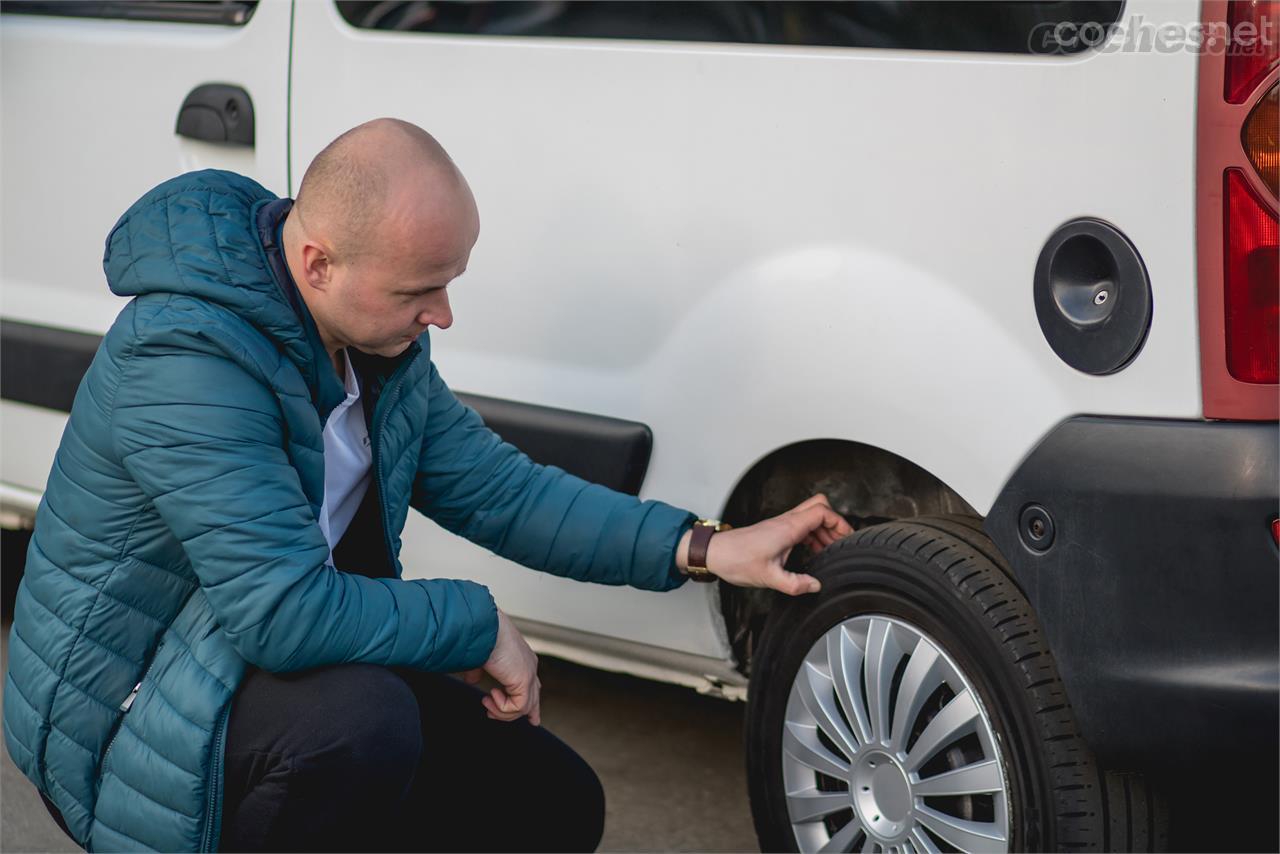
217,112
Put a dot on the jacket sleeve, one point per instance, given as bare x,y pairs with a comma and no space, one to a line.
205,441
477,486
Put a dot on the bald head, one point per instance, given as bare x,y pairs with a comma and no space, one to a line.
383,222
384,186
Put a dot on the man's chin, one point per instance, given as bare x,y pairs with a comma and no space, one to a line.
395,348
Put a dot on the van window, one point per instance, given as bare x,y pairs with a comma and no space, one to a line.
227,12
1006,26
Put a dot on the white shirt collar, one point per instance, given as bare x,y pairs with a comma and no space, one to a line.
351,384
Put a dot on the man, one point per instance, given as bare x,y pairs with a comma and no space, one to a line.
212,644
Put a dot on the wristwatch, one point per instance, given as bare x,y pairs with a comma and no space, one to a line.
703,529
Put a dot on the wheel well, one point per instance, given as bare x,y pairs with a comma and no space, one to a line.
865,484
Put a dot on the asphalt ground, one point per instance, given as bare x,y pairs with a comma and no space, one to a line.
670,760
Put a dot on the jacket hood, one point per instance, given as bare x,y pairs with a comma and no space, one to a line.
196,235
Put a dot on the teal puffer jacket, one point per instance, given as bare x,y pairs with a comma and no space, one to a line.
177,538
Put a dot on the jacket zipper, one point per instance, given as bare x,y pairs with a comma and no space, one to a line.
213,810
385,404
127,703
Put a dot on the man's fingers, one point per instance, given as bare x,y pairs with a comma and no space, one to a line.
505,706
821,520
809,521
831,528
837,526
833,523
829,536
830,518
501,701
794,583
817,499
472,677
498,714
513,702
500,705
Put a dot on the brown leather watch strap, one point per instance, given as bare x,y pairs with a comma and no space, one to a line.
698,542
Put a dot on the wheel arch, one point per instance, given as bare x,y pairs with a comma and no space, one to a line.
865,483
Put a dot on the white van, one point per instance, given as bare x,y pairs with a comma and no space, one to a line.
999,279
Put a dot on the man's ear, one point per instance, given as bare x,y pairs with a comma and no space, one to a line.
317,265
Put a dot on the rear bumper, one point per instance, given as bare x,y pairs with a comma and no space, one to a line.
1160,588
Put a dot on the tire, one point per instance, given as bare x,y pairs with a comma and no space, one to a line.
948,671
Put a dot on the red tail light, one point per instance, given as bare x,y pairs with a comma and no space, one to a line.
1253,47
1252,284
1237,247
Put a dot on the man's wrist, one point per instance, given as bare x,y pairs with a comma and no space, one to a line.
693,550
682,552
503,628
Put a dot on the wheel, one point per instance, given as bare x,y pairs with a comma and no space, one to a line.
913,705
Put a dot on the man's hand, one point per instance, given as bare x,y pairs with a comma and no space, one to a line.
755,556
515,668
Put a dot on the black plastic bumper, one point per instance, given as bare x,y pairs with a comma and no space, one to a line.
1145,548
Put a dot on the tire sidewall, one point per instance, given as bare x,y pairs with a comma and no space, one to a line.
870,580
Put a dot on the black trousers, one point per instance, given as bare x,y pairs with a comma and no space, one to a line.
359,757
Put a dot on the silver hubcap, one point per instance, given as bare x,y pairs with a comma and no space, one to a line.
886,747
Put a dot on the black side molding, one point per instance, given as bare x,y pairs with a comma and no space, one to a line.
608,451
43,367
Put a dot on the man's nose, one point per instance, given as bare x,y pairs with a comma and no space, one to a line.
440,315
